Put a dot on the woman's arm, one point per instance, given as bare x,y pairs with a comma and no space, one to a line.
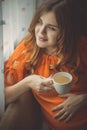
14,91
35,82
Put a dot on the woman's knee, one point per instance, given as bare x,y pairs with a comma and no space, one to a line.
23,114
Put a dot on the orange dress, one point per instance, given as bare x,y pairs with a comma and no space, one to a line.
48,100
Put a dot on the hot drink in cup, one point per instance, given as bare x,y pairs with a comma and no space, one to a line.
62,82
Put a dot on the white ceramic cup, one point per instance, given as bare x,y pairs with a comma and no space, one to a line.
62,82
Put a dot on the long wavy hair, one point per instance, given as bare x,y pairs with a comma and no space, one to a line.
67,39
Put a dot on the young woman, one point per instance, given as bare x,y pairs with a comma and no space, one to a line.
53,44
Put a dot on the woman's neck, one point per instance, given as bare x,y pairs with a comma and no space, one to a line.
52,52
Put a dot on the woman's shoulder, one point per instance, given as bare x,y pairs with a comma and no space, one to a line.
20,54
22,46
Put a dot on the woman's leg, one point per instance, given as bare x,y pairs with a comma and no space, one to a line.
24,114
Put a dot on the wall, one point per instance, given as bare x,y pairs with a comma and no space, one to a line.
1,65
17,16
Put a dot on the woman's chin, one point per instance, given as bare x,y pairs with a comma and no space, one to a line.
40,45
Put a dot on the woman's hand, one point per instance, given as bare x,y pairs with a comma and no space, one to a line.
35,82
69,107
39,83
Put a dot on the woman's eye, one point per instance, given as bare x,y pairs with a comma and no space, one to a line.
52,28
39,22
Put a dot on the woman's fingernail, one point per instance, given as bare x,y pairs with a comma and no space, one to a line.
51,82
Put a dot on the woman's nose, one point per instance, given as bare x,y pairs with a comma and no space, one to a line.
43,30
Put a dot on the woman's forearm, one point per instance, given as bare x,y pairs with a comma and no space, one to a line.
35,82
14,91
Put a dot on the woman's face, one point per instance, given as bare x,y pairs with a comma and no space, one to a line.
46,31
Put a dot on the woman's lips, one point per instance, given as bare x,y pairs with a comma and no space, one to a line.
42,39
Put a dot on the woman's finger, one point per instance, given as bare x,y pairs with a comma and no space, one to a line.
68,117
59,114
46,86
64,116
59,107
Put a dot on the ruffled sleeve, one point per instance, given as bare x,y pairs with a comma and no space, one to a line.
15,65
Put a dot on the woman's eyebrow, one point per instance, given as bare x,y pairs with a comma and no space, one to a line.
53,25
49,24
